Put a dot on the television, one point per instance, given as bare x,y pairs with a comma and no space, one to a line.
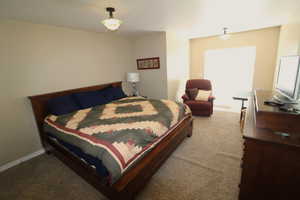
288,79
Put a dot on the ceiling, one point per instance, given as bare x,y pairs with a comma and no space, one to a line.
194,18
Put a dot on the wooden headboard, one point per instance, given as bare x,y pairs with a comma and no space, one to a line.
39,104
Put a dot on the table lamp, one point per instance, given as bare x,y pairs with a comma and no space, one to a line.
133,78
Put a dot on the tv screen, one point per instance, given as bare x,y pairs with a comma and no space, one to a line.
288,77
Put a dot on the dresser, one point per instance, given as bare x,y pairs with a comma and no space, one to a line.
271,161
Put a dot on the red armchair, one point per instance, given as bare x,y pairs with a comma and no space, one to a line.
200,108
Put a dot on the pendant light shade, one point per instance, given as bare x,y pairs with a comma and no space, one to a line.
111,23
225,35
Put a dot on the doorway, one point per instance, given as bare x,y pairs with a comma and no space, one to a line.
231,72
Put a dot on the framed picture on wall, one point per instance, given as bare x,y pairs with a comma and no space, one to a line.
148,63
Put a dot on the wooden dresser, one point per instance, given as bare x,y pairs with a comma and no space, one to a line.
271,162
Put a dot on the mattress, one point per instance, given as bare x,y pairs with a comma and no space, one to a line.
86,158
117,134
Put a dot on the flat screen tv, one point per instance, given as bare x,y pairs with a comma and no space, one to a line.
288,79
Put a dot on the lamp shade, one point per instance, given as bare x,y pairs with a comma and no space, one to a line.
225,35
133,77
112,23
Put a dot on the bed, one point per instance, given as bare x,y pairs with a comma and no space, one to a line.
115,181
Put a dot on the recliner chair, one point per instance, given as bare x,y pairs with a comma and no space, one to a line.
198,107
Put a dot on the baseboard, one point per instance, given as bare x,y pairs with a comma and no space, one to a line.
226,109
20,160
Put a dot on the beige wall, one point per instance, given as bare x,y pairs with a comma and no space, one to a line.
289,43
37,59
153,82
265,41
177,64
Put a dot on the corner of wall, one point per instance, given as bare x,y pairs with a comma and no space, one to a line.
153,82
178,58
288,44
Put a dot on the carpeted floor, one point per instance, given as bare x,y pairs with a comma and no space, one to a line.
204,167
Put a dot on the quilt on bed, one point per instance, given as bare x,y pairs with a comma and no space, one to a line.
118,133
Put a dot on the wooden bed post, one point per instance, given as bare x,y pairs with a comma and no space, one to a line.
190,129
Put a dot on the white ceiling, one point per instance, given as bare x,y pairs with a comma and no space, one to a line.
192,17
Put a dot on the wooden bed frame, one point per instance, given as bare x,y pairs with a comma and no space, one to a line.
132,180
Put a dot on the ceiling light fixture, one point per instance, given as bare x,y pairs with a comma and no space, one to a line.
111,23
225,35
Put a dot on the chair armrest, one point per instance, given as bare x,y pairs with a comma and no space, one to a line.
185,97
211,98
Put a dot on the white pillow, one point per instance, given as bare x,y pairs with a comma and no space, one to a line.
203,95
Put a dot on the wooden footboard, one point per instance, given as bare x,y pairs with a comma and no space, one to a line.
132,180
135,178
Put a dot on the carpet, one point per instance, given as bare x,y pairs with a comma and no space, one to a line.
204,167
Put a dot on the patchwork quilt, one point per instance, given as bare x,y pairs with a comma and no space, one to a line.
118,133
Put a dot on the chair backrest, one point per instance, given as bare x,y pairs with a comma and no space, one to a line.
201,84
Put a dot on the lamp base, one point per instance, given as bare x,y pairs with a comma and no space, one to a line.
135,90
